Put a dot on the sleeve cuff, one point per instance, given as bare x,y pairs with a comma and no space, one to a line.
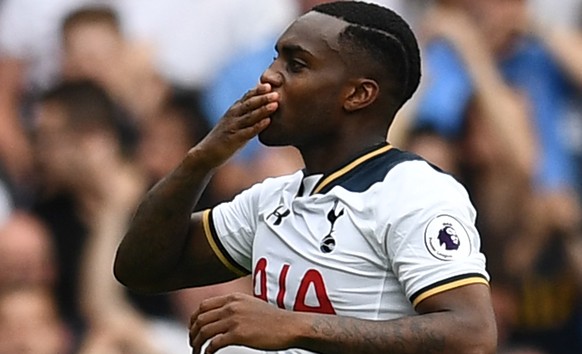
217,246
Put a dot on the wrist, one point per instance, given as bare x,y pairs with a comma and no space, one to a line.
295,329
201,158
304,331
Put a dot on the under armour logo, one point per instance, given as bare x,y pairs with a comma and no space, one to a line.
279,215
328,242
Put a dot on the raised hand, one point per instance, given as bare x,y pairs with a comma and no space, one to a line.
245,119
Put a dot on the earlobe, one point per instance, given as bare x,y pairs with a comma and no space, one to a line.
361,94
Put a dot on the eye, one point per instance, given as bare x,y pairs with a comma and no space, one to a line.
295,65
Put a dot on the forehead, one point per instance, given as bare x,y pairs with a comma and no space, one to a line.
315,33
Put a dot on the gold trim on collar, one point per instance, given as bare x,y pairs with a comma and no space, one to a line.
349,167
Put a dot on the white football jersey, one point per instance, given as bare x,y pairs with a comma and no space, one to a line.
370,241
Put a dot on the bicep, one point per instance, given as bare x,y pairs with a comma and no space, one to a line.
200,263
469,304
468,316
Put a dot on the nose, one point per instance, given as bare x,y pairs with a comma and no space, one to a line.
272,76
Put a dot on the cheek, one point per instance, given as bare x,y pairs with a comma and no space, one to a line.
313,101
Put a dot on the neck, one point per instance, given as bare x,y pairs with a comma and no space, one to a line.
326,158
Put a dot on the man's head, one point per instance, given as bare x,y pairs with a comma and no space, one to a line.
92,41
73,117
30,322
26,252
339,59
381,38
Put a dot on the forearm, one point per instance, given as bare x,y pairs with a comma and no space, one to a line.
164,248
439,332
100,293
158,233
502,108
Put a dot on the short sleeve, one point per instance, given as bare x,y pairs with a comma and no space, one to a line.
230,229
432,242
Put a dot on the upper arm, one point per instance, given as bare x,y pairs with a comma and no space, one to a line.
432,242
200,263
472,298
470,308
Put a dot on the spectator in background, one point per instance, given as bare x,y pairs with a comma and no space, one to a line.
90,190
490,113
177,126
94,47
562,36
29,318
30,323
29,63
27,255
564,41
30,57
193,39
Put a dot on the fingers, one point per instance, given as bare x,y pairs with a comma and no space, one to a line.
218,342
244,120
204,321
250,115
257,90
211,320
199,335
252,109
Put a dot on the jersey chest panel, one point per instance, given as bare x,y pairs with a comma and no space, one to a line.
316,252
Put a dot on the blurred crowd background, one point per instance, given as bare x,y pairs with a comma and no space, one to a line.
100,99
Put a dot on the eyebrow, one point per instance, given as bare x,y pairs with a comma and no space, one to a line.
291,49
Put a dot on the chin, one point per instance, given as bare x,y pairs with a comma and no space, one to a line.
269,138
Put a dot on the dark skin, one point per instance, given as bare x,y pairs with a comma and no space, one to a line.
310,98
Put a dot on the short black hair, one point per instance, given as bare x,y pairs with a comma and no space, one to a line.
87,106
385,36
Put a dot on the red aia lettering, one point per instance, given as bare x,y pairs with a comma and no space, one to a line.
282,286
312,278
261,274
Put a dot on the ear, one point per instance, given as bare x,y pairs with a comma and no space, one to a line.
360,94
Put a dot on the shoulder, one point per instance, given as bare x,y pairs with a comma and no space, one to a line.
416,185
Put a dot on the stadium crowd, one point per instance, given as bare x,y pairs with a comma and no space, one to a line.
100,99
